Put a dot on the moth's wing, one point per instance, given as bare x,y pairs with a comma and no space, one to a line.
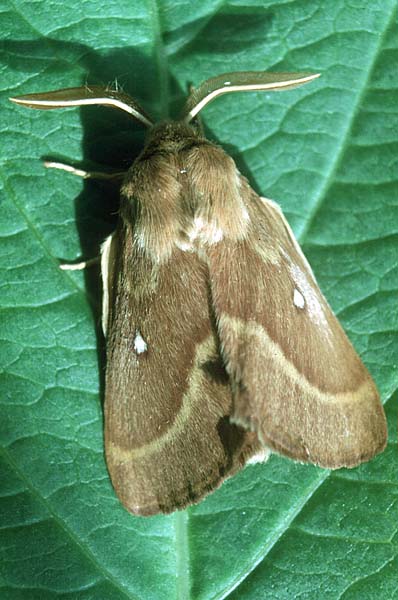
168,438
297,380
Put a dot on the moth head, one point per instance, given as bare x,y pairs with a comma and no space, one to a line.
171,136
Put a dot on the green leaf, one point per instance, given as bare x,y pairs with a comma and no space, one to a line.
328,154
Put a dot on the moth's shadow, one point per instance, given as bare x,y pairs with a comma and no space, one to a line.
111,140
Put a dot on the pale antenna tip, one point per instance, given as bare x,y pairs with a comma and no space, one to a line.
18,100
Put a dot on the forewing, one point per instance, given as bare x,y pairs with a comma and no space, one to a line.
297,380
168,437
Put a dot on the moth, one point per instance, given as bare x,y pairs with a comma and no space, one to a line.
220,344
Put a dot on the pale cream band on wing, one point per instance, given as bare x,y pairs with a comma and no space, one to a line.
191,397
244,329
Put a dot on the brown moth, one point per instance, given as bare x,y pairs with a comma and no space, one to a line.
220,345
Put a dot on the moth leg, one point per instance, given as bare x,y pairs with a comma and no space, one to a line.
117,176
80,265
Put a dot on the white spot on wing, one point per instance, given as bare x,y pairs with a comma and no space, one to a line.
314,307
298,299
140,345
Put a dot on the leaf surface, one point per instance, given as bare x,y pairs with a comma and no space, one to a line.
328,154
